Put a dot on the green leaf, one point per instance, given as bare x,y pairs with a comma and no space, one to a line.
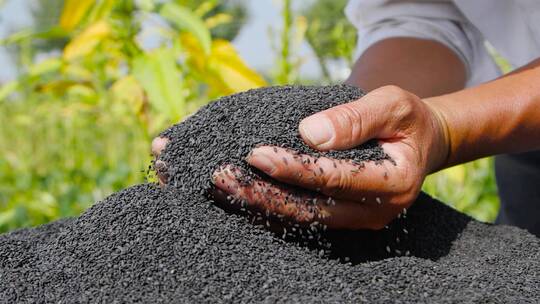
87,40
146,5
158,73
205,7
7,217
101,10
8,88
184,19
46,66
28,34
73,12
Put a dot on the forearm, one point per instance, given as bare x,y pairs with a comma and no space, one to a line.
501,116
424,67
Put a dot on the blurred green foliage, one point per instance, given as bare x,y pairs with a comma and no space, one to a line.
57,158
77,125
330,34
469,188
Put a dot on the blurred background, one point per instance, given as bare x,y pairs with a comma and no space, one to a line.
86,84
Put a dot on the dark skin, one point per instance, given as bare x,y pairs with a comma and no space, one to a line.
420,114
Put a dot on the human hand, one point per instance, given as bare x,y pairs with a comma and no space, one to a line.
345,195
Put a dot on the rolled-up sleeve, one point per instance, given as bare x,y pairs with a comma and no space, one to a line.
440,20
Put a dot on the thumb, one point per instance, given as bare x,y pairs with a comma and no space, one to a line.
347,125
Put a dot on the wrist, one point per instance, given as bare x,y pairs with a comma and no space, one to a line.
441,155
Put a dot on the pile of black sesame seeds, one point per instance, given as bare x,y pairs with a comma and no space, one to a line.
152,245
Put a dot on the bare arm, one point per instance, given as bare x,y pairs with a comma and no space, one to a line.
501,116
423,67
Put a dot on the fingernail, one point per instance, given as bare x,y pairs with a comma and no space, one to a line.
161,171
262,162
316,129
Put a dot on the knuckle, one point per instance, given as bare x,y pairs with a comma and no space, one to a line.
347,122
276,172
395,91
338,182
405,107
401,102
345,115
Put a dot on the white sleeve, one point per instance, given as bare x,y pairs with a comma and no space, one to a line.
438,20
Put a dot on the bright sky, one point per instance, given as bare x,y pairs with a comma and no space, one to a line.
253,42
13,14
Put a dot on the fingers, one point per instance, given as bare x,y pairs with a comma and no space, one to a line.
351,124
301,207
158,144
340,179
276,201
354,215
161,172
270,199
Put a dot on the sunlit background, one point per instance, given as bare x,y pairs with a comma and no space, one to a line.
86,84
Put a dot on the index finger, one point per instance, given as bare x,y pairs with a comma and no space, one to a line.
344,179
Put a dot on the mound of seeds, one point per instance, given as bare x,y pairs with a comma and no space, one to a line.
146,244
